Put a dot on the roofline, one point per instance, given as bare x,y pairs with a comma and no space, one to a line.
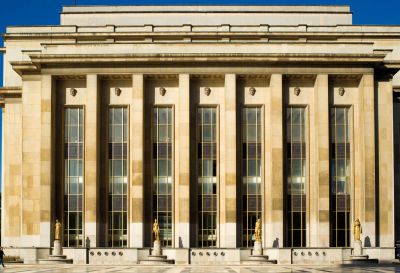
71,9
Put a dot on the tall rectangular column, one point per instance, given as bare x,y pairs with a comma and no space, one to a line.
47,167
11,226
182,163
91,158
364,176
319,184
273,139
31,166
386,163
136,155
228,181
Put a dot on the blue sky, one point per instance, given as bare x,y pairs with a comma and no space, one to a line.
46,12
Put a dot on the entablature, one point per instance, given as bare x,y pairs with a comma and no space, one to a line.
10,92
187,32
76,61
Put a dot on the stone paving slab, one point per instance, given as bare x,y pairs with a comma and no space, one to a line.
197,269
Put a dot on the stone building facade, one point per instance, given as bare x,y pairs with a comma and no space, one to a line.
206,119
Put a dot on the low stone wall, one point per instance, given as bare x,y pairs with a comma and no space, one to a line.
320,255
201,256
30,255
215,256
383,254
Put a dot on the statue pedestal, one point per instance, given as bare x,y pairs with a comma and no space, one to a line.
257,256
156,256
157,248
56,257
357,256
57,250
357,248
257,250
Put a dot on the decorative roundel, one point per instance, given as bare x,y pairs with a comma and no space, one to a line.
252,91
162,91
73,92
297,91
207,91
341,91
118,91
120,253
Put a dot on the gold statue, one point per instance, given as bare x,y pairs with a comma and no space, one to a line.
156,230
357,230
257,232
57,231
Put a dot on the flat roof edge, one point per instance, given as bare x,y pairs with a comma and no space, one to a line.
206,8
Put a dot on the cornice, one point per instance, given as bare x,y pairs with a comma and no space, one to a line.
39,61
56,59
11,92
201,34
24,67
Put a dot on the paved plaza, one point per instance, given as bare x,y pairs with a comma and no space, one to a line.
195,269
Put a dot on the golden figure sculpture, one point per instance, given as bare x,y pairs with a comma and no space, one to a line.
57,231
257,232
357,230
156,230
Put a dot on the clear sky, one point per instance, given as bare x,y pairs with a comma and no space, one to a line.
46,12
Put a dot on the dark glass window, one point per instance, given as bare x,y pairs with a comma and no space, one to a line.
117,176
206,177
73,172
251,175
162,172
295,177
340,177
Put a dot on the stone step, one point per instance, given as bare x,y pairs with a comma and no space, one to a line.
156,262
260,262
55,261
57,257
361,261
157,257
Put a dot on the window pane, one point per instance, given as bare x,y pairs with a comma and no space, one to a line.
295,177
118,150
117,116
340,177
251,162
162,176
206,172
73,181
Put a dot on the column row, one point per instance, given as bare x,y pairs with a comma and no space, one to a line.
199,163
